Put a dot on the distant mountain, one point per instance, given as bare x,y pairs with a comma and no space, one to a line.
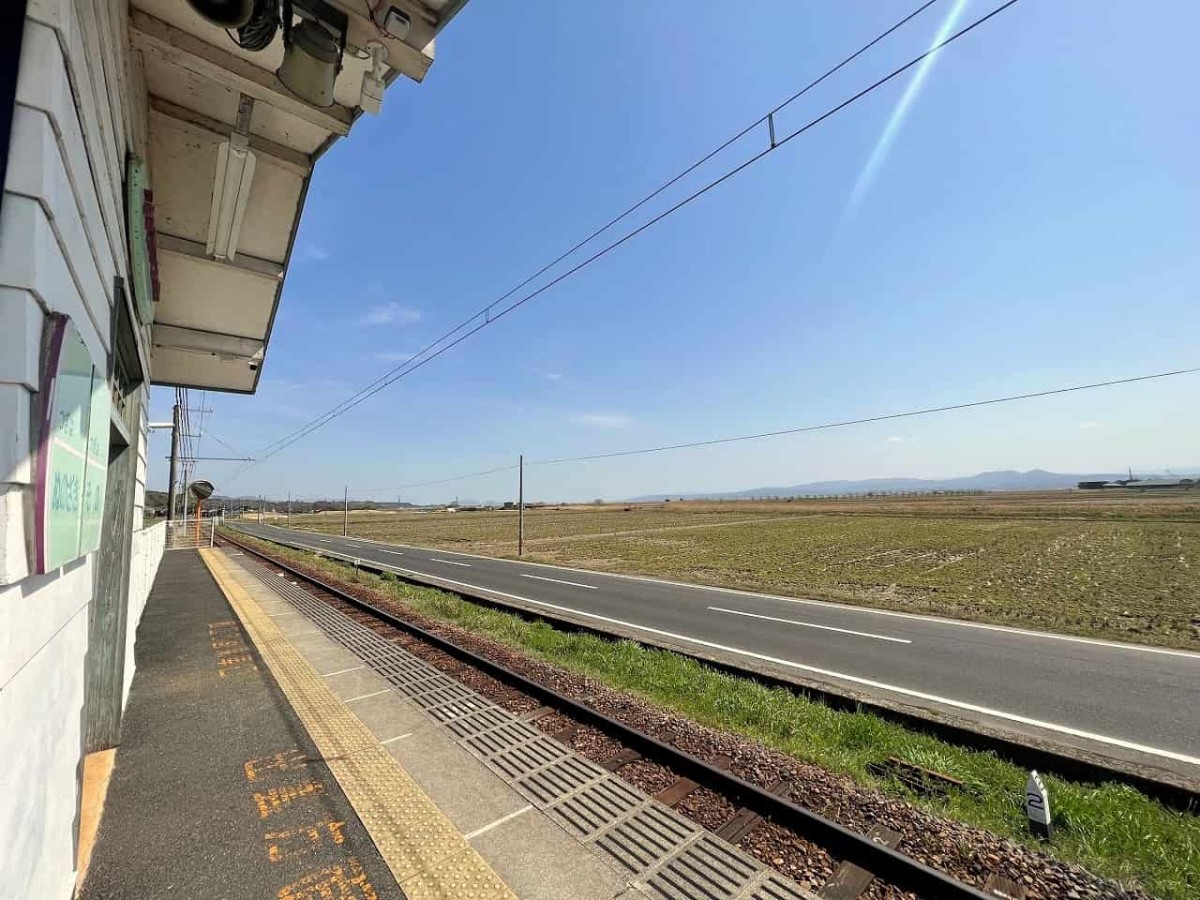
1005,480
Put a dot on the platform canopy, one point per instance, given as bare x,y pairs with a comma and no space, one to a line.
221,122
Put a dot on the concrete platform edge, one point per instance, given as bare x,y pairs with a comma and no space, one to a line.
427,855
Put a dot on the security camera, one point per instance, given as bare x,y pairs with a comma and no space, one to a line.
253,366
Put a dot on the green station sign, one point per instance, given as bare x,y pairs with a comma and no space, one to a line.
72,461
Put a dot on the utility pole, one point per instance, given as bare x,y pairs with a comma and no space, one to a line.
521,505
289,519
174,463
261,501
346,512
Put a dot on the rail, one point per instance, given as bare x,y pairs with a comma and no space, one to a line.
859,849
1080,766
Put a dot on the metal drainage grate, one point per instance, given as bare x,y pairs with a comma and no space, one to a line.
559,779
648,836
459,709
498,740
441,694
368,646
596,807
707,869
428,683
615,819
400,665
526,758
479,722
386,651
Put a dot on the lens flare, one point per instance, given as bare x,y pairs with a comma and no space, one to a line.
892,129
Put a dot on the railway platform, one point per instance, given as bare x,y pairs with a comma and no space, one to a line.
276,748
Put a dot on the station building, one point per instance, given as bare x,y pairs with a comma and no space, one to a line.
155,157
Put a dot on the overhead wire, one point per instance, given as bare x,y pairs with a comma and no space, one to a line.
224,444
405,369
802,429
484,311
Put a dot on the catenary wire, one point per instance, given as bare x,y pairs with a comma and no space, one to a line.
629,211
824,426
379,385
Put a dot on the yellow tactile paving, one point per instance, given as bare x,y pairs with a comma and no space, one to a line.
462,877
428,856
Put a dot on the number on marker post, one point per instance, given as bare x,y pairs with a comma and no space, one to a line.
1037,806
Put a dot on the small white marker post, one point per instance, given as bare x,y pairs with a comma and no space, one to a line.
1037,806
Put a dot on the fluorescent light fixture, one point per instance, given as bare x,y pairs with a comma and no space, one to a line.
231,190
223,346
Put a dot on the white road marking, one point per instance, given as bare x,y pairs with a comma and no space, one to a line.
879,685
342,671
827,604
367,696
590,587
909,692
325,540
500,821
393,552
398,737
449,562
866,634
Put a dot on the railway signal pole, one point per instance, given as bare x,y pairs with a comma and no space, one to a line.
521,505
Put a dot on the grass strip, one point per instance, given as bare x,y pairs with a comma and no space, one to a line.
1112,830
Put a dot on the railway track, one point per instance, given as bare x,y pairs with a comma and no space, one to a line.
762,819
1072,764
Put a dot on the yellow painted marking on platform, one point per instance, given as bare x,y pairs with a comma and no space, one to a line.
428,856
348,882
274,800
233,656
287,760
293,842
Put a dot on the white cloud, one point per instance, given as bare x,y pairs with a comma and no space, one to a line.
394,356
392,313
1090,425
601,420
896,439
552,376
314,252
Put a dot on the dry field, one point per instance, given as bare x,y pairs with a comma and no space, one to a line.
1125,566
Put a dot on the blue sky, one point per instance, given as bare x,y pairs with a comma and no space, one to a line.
1031,223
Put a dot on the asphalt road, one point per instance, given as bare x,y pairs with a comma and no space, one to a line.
1125,701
